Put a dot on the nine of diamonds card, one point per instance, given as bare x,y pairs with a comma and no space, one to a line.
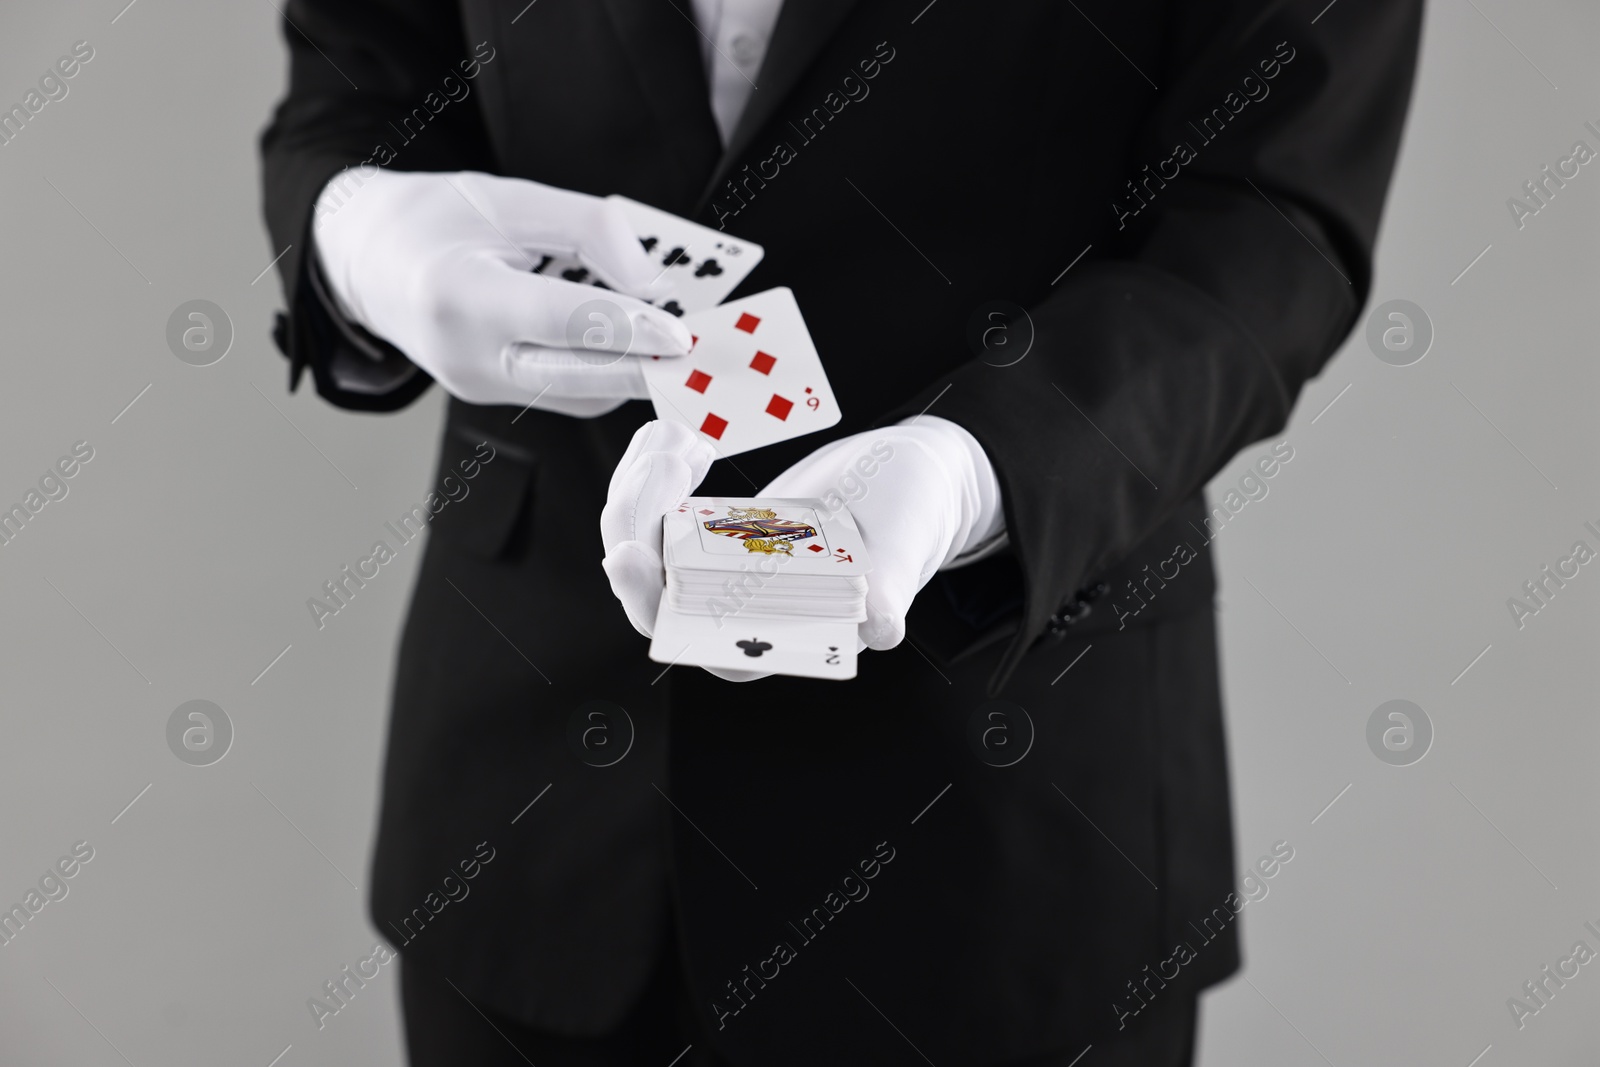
753,377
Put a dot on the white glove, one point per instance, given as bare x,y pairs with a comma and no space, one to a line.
439,265
924,496
663,464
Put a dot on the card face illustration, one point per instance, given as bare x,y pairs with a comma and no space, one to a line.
790,537
752,378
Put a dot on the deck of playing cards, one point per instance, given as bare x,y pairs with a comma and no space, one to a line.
774,585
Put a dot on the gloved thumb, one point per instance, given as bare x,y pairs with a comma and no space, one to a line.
663,464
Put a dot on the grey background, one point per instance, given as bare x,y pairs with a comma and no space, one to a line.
1377,568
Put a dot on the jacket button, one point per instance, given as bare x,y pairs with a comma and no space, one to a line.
746,49
1070,613
1081,604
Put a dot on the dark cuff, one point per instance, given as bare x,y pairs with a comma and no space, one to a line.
352,367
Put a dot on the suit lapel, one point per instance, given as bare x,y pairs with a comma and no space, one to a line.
804,27
663,50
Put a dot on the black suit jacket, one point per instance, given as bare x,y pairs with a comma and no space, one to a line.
1213,174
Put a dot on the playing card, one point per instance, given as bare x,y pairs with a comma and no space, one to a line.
701,264
773,537
753,377
801,647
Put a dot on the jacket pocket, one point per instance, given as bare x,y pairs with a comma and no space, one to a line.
485,483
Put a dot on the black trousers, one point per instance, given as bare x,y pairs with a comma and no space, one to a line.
445,1029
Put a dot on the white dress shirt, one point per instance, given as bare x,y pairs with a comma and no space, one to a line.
734,37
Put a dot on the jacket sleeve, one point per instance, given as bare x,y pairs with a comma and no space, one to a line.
375,83
1236,272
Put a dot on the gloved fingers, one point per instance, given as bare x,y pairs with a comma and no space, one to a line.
613,251
562,374
637,581
728,674
892,584
541,219
663,463
887,601
639,498
668,437
576,407
516,305
887,605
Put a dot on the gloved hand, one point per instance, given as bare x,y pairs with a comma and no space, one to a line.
439,265
924,496
663,464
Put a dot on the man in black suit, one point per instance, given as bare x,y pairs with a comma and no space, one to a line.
1182,197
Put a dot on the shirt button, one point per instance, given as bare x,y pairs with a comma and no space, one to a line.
745,49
